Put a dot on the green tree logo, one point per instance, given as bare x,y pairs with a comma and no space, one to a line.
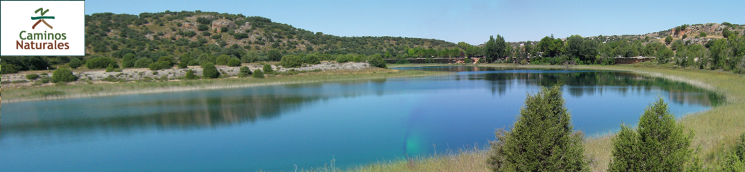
41,18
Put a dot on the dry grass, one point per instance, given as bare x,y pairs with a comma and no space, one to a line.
85,90
715,129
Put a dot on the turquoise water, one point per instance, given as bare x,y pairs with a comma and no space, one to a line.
279,128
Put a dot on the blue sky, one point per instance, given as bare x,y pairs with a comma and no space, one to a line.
471,21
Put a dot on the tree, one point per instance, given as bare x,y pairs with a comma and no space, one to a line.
274,55
267,68
101,62
258,74
658,144
718,53
234,62
63,75
668,40
210,71
491,49
143,63
128,60
574,45
222,59
244,72
663,55
377,61
75,63
542,139
313,58
290,61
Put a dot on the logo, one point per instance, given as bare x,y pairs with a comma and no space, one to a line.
57,28
41,18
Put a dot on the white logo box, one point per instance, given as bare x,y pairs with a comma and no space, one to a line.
69,18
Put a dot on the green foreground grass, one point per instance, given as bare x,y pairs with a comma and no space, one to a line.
106,89
715,130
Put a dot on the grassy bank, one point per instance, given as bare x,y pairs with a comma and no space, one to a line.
715,129
106,89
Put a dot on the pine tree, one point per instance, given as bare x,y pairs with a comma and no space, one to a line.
658,144
542,139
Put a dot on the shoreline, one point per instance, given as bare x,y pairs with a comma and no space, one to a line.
715,129
129,88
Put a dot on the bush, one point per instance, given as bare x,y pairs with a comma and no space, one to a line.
63,75
658,144
75,63
203,27
734,160
168,59
342,59
290,61
467,61
668,39
377,61
240,36
210,71
183,64
244,72
222,59
702,34
663,55
258,74
143,63
190,74
110,68
542,138
32,76
128,60
267,68
154,66
234,62
312,59
164,65
101,62
274,55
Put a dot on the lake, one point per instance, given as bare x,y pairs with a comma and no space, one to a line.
279,128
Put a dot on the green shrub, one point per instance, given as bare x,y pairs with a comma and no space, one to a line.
8,68
154,66
63,75
240,36
190,74
100,63
274,55
357,58
467,61
168,59
210,71
143,63
258,74
234,62
658,144
377,61
290,61
342,59
702,34
542,138
268,68
164,65
222,59
312,59
110,68
32,76
663,55
668,39
734,159
183,64
75,63
244,72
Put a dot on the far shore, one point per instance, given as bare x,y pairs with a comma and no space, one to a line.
66,91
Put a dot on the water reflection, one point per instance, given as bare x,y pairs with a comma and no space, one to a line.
190,110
